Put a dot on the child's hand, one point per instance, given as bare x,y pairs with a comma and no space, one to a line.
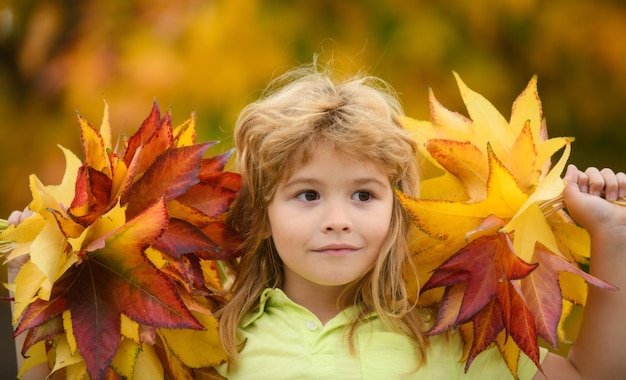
594,199
16,217
590,198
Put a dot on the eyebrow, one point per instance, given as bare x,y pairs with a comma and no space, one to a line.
313,181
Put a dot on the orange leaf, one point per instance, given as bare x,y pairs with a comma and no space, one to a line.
214,194
145,131
94,147
171,175
465,161
215,163
93,196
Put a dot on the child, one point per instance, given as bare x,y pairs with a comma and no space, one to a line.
320,291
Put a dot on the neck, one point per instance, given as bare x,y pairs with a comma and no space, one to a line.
319,300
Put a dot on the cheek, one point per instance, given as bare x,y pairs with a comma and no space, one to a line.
281,225
379,228
286,239
381,234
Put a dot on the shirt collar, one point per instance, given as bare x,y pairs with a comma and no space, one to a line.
275,297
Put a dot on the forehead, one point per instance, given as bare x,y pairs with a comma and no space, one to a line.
331,161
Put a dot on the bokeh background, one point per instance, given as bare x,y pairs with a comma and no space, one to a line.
59,57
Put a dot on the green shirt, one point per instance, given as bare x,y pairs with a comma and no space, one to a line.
284,340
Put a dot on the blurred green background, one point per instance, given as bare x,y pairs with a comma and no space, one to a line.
59,57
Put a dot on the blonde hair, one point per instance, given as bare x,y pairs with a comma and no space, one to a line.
357,116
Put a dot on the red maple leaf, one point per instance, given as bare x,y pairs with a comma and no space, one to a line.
116,279
170,175
152,138
481,288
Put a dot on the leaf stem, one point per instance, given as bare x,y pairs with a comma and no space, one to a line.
555,204
5,245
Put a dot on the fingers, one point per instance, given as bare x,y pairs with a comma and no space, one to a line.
16,217
602,181
621,180
571,175
590,197
597,182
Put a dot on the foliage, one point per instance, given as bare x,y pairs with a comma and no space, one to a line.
490,228
126,258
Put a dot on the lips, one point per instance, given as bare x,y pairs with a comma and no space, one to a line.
337,249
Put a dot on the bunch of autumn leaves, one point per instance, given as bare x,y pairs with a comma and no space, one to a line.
127,257
493,246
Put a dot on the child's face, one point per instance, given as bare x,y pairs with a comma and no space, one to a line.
330,219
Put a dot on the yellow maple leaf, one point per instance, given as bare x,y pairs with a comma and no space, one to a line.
449,221
36,356
148,364
206,350
126,357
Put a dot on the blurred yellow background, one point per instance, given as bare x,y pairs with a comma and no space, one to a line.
214,56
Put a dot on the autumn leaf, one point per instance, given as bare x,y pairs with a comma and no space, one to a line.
488,266
493,247
170,175
542,292
148,138
114,280
206,350
449,221
93,196
464,161
222,189
215,163
182,237
125,246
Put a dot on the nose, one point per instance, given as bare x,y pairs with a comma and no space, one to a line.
337,218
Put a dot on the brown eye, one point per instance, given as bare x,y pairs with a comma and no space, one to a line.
308,195
363,196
